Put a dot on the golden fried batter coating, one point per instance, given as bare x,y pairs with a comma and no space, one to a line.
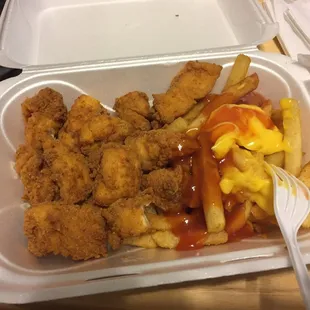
172,104
44,115
134,108
27,160
196,79
93,153
38,184
167,187
68,230
91,158
47,102
106,129
119,175
127,218
69,171
193,82
83,110
40,128
155,147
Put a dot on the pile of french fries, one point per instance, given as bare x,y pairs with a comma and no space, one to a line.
287,120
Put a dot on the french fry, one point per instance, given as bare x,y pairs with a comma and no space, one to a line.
230,96
244,87
194,112
292,135
276,117
158,222
267,107
166,239
239,70
178,125
210,189
258,213
238,217
305,174
276,159
305,177
143,241
216,238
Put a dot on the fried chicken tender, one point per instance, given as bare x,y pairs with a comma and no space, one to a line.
127,218
93,153
154,148
196,79
69,171
172,104
40,128
119,175
68,230
134,108
47,102
167,187
106,129
38,184
44,115
193,82
83,110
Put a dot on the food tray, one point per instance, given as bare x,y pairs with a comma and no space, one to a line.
24,278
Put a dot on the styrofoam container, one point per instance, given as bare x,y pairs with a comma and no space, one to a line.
107,48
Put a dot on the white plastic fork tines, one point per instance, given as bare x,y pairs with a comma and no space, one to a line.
292,205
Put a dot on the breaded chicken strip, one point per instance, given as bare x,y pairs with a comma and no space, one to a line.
38,184
134,108
156,147
172,104
196,79
167,187
83,110
68,230
40,128
106,129
44,115
47,102
193,82
93,153
69,171
126,218
119,175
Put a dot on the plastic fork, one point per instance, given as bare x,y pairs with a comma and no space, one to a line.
291,204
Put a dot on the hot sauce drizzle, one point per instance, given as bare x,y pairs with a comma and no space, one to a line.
245,232
189,225
190,228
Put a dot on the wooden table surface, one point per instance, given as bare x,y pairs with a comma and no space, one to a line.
268,291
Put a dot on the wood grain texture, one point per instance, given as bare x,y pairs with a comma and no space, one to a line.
267,291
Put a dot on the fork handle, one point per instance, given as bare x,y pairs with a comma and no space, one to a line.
300,268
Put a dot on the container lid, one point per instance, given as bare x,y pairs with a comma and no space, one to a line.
49,32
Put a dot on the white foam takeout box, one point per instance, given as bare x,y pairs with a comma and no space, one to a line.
107,48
